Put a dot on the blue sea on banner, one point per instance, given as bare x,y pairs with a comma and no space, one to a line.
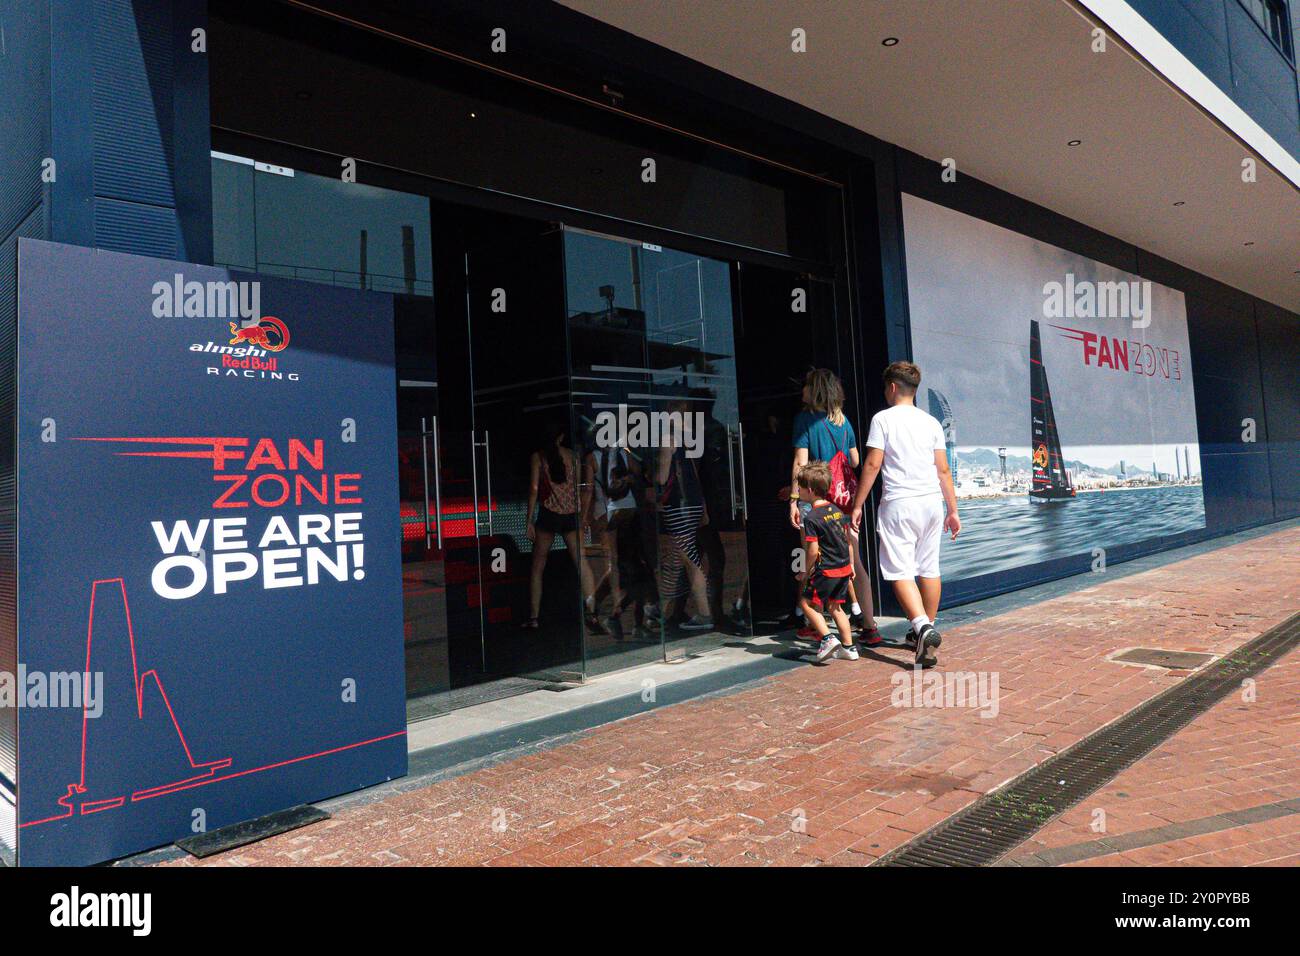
1010,531
174,544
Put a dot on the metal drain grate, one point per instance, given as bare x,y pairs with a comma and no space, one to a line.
1000,821
1174,660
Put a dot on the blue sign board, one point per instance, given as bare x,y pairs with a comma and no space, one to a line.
209,573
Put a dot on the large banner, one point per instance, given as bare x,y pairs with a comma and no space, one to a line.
209,571
1064,387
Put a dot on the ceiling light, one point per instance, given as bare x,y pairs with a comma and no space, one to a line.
889,41
1074,142
1180,203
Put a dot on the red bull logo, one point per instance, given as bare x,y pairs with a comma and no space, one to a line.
269,333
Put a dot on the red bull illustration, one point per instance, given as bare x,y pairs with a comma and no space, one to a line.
258,334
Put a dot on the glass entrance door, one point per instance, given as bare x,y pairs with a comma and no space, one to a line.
441,624
491,477
530,485
798,311
654,384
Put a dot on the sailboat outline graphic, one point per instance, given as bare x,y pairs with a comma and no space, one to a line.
80,797
106,781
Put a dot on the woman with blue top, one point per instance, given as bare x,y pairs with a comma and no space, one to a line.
822,432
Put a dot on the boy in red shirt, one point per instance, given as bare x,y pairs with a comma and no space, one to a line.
830,566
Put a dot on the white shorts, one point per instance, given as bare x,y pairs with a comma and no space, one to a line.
910,529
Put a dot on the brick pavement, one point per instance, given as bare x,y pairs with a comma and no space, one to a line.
817,766
1238,761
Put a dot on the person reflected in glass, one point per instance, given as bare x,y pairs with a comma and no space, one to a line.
682,512
557,501
612,513
717,481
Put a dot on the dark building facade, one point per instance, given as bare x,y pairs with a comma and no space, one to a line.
1247,47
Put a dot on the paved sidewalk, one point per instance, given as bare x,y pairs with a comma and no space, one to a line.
816,765
1223,792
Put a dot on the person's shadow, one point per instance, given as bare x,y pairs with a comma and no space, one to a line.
786,646
873,653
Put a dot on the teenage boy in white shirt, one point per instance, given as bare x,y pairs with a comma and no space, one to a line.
906,448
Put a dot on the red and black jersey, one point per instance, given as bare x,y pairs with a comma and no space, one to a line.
829,527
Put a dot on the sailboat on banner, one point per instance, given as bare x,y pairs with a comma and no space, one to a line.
1051,482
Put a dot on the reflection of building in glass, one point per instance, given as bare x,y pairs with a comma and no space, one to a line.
941,410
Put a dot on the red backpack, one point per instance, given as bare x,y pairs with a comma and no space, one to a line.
844,483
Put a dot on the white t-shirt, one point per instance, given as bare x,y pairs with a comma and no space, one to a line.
909,438
606,462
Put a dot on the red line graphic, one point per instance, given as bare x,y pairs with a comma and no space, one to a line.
1079,335
207,769
215,447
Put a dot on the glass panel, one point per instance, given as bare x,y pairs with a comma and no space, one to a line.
528,465
324,230
608,367
234,220
771,383
424,571
654,381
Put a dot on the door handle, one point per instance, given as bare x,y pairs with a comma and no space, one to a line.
731,472
424,460
486,445
473,466
487,465
744,487
437,483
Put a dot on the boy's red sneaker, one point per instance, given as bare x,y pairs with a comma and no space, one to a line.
870,637
808,633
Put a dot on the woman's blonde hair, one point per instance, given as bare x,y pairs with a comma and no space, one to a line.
825,394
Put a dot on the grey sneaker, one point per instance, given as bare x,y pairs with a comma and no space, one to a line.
926,642
849,653
829,645
697,623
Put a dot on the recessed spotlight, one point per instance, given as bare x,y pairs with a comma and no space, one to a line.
1180,203
303,94
889,41
1074,142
